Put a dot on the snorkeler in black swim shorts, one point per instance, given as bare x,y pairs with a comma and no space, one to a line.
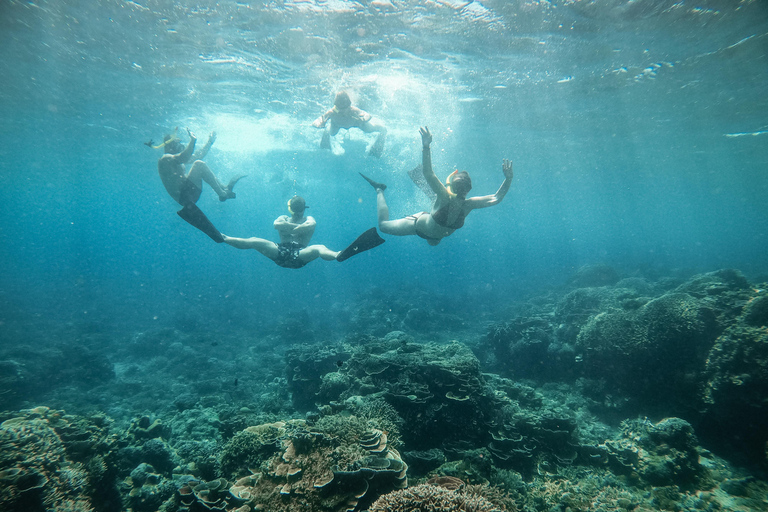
296,231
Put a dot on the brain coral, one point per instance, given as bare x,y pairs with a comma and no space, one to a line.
737,384
655,347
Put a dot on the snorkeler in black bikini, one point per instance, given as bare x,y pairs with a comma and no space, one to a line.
451,204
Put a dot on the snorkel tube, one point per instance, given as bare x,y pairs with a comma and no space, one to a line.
168,139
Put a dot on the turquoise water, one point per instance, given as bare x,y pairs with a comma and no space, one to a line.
637,131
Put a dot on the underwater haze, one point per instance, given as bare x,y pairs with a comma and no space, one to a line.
638,131
636,128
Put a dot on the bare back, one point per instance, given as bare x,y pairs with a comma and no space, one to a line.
172,174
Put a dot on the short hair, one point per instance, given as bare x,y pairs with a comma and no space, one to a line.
342,100
297,204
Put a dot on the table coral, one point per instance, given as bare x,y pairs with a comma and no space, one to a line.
334,466
49,459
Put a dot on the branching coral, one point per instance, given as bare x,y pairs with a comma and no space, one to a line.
432,498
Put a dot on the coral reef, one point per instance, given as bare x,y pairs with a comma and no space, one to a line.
737,382
671,352
49,459
432,498
437,390
651,349
660,454
218,494
145,490
339,465
610,394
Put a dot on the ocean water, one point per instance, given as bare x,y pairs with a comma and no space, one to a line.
638,131
635,128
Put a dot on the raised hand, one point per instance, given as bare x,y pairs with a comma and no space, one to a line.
506,168
426,137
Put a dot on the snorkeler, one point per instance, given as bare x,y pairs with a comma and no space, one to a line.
296,231
344,115
185,188
451,205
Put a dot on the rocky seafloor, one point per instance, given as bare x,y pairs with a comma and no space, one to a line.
612,393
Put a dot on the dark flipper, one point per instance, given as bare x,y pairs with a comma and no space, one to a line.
418,178
192,214
325,142
377,148
367,240
374,184
234,181
230,186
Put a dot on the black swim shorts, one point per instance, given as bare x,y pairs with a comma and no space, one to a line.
288,255
188,192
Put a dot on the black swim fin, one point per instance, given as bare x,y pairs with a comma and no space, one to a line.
195,216
374,184
228,189
367,240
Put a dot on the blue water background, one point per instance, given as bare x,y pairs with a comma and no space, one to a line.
637,131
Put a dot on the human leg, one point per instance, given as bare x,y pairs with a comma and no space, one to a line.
312,252
265,247
400,227
201,172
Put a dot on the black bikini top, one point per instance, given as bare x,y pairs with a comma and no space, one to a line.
441,218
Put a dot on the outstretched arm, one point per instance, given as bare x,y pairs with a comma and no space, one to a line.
426,165
199,155
486,201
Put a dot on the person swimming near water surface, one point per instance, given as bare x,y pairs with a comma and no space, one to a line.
451,205
186,188
344,115
295,232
